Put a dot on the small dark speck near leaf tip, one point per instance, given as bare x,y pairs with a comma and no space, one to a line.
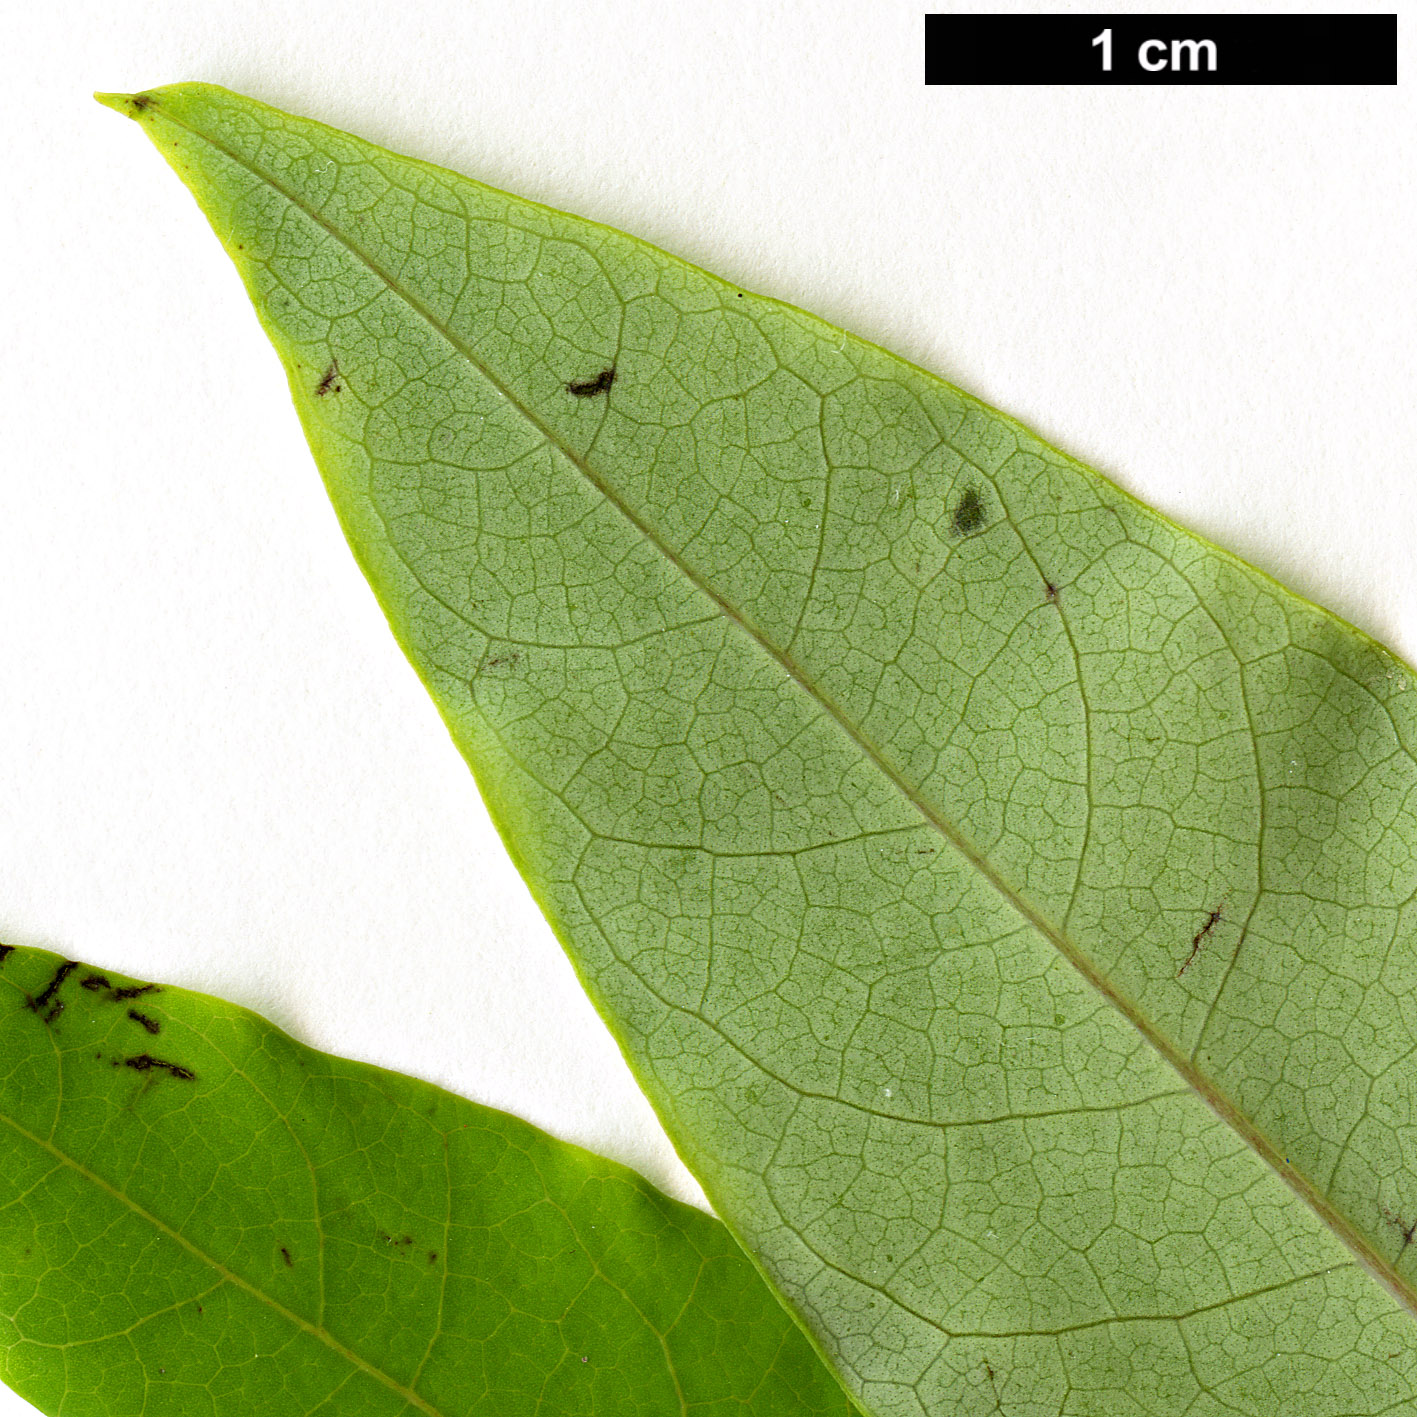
130,103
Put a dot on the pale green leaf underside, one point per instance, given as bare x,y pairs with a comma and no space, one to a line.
211,1220
1004,897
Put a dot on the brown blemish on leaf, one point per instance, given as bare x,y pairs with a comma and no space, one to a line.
432,1256
141,102
1201,936
151,1024
5,952
327,384
1050,592
589,388
47,1005
1403,1228
970,513
135,991
994,1385
95,982
146,1063
285,1255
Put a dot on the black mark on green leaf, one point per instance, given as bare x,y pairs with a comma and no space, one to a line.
589,388
135,991
47,1004
285,1255
146,1063
95,982
1050,592
5,952
970,512
1407,1230
151,1024
327,384
1201,936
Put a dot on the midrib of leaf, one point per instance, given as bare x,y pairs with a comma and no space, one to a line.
227,1275
1056,935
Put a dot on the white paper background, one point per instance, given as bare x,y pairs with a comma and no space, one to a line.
216,769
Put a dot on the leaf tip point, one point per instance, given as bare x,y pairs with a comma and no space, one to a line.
131,104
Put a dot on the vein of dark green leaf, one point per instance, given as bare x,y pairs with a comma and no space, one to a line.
339,1388
1184,1065
132,1328
228,1276
447,1246
628,1298
300,1146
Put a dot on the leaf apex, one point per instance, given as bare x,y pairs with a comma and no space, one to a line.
134,105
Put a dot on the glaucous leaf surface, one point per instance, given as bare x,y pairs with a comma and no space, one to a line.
1005,897
199,1217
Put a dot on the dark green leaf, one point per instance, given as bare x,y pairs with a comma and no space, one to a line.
199,1217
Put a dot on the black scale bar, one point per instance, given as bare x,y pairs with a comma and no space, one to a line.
1160,49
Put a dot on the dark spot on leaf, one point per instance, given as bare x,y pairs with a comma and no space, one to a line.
1050,592
146,1063
327,384
432,1256
1403,1228
151,1024
43,1002
5,952
970,513
141,102
94,982
135,991
285,1255
589,388
507,660
1201,936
